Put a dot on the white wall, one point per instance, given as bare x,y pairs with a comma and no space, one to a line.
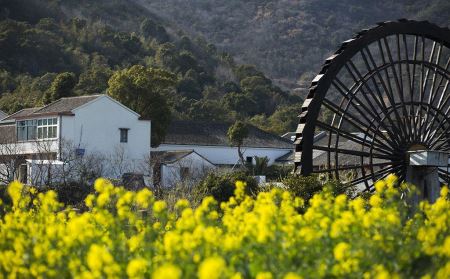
198,168
30,147
95,128
227,155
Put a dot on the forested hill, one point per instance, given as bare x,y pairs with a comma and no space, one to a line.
53,48
289,39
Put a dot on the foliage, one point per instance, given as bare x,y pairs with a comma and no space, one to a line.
73,193
286,39
222,186
143,90
284,118
237,133
261,165
61,87
306,187
42,39
133,234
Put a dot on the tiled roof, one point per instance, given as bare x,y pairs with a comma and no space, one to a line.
67,104
169,157
286,158
21,113
215,133
63,105
2,115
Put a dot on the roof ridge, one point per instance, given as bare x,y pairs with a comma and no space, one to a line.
46,106
95,96
82,96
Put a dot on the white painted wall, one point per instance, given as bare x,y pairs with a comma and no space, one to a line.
95,128
198,168
30,147
226,155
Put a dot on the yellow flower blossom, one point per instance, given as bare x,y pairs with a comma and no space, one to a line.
264,275
212,268
117,237
143,198
292,275
167,271
159,206
136,268
340,251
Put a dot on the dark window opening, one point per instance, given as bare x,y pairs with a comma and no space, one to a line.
184,173
123,135
249,160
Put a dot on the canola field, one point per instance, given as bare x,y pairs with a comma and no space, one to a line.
274,235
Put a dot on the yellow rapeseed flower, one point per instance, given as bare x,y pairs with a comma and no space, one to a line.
264,275
292,275
159,206
15,192
212,268
143,198
136,268
101,184
375,200
167,271
340,251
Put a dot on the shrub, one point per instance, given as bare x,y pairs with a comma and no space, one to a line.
72,193
222,186
306,187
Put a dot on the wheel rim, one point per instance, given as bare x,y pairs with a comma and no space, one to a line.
383,93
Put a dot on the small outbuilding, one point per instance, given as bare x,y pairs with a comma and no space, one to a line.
180,166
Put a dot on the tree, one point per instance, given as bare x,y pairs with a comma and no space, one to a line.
244,71
149,28
236,135
144,90
94,80
241,103
261,165
62,86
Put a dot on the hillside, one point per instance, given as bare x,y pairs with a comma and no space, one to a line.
289,39
86,42
208,45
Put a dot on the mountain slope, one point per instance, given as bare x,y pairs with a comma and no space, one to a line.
289,39
84,42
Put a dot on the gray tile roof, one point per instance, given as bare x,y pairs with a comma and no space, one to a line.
169,157
67,104
345,159
286,158
215,133
21,113
320,157
2,115
63,105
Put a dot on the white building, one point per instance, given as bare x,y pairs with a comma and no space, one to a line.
181,166
209,139
96,130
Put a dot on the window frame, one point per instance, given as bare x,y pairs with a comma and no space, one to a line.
123,135
47,125
29,129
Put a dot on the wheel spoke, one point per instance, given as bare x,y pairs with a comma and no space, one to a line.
379,97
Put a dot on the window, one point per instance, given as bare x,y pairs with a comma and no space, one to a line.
26,130
37,129
249,160
184,173
124,135
47,128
